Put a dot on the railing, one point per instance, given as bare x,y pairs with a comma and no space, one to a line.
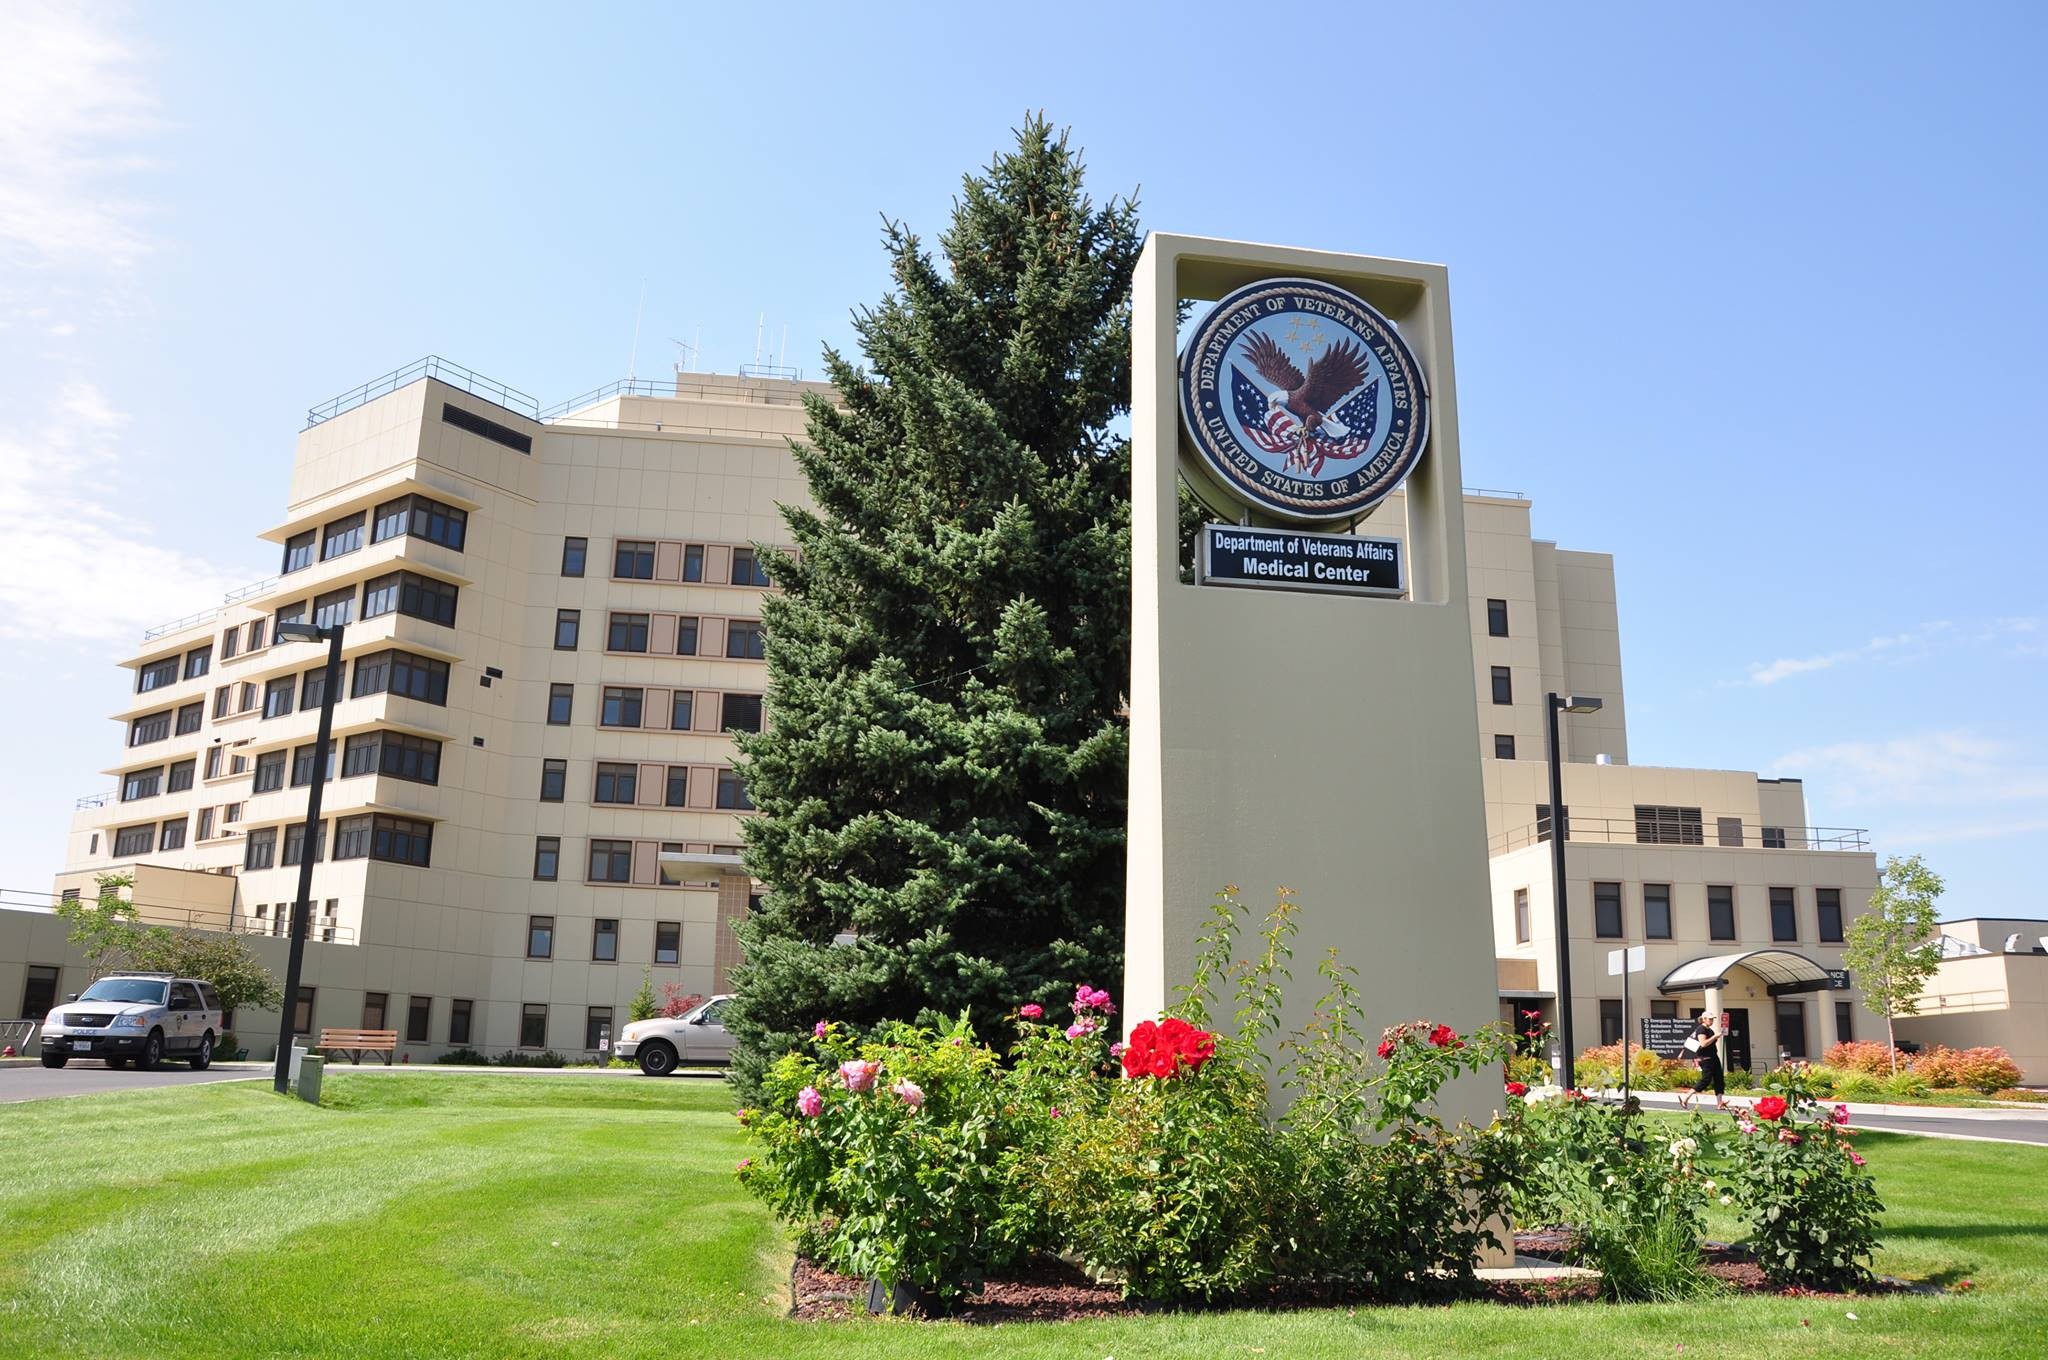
95,800
624,387
1710,835
1497,495
253,588
433,366
180,625
17,1034
781,372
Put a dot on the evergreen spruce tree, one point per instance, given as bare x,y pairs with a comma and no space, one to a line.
944,776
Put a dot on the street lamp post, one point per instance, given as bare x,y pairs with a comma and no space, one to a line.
302,907
1553,705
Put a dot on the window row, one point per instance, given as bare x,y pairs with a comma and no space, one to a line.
418,516
717,564
656,634
397,754
268,921
633,784
1789,1013
148,783
1721,923
396,840
150,837
661,710
646,864
171,669
155,727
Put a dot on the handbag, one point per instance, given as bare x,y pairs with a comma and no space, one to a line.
1692,1043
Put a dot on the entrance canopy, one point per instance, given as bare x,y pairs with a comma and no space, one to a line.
1782,971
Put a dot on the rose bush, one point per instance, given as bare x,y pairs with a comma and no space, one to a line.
1813,1211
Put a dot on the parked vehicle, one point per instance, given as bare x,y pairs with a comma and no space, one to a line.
142,1018
661,1045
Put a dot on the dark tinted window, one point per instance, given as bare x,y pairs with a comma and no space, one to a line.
1720,913
298,550
156,675
1657,911
1497,618
342,536
745,640
1503,686
740,712
1827,902
554,780
1607,910
633,560
574,551
1784,915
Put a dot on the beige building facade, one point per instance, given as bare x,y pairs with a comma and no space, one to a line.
1990,990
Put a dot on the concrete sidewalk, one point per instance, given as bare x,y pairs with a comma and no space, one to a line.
2013,1123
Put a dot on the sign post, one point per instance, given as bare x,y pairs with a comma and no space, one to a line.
1620,963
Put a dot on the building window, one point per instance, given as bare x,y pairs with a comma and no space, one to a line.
419,1011
298,551
141,784
231,814
1728,831
533,1025
155,727
261,850
256,631
230,643
597,1025
1827,904
375,1004
458,1020
633,560
402,756
1496,618
686,636
313,689
1774,838
740,713
401,840
421,518
223,701
39,995
304,764
1503,746
604,940
574,551
190,717
421,597
134,840
540,937
547,858
1521,916
213,760
611,861
512,439
269,772
628,633
173,835
352,837
1607,911
747,568
1792,1028
1610,1020
668,942
205,824
1663,1010
679,710
693,561
621,707
561,699
342,536
302,1017
1669,826
1543,821
745,640
198,662
1720,912
554,780
181,775
732,792
335,608
678,792
250,697
1784,915
403,674
568,624
278,696
1656,911
616,783
1503,685
156,675
295,842
1845,1015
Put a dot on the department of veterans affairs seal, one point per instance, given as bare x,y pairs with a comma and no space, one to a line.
1303,400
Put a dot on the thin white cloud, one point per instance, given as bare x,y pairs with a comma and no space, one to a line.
72,105
1933,768
1909,645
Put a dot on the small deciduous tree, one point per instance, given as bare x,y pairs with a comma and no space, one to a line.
1891,948
107,928
224,960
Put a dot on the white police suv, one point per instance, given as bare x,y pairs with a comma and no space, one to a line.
142,1018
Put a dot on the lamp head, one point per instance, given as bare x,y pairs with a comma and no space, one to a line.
300,632
1579,703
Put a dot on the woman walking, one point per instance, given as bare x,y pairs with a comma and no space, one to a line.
1705,1043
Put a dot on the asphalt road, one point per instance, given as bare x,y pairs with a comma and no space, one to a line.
2022,1125
88,1078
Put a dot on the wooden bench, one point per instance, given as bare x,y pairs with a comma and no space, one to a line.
356,1042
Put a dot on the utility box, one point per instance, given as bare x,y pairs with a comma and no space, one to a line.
310,1068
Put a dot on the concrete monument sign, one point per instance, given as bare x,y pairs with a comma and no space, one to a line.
1310,737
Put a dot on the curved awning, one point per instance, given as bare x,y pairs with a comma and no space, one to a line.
1781,971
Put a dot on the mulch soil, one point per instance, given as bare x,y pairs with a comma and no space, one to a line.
1056,1291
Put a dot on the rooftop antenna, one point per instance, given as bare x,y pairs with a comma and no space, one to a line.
782,351
760,325
689,364
633,359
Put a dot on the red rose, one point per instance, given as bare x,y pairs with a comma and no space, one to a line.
1441,1036
1164,1062
1386,1048
1770,1107
1516,1088
1200,1047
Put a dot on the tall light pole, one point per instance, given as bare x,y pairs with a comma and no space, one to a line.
1554,704
302,907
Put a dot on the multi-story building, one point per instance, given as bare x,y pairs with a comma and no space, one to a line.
552,619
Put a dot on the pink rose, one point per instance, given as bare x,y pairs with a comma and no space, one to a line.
1032,1011
1055,1112
859,1074
1855,1157
1841,1114
818,1030
909,1092
1081,1027
1116,1050
743,1164
809,1102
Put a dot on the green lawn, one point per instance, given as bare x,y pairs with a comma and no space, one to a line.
537,1216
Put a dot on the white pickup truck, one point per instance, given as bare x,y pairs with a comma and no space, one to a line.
661,1045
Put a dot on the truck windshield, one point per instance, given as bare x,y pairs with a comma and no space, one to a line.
127,990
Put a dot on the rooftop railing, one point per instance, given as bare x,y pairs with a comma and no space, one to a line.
180,625
1726,833
433,366
96,800
624,387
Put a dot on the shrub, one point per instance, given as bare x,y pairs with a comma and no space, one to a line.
1857,1055
1740,1079
1907,1083
1647,1069
1813,1211
1858,1086
466,1057
1986,1069
547,1057
1528,1069
226,1047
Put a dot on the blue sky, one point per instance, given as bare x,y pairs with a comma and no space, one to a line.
1750,298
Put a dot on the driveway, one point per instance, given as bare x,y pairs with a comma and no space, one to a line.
85,1078
2003,1124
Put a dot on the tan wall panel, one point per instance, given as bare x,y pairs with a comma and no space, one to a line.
703,787
646,858
654,709
711,637
651,786
718,564
661,636
668,561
